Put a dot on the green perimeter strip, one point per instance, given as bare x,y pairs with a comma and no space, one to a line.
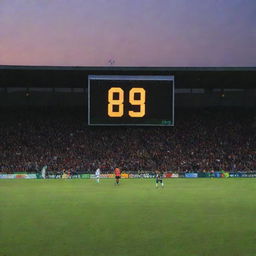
85,176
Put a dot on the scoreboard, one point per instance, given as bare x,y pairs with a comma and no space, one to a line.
131,100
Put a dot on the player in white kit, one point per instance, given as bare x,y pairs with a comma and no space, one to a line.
43,172
97,174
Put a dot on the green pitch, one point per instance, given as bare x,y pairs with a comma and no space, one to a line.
190,217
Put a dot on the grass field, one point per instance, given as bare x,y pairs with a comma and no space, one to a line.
190,217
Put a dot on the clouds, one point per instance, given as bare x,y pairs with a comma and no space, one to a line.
135,33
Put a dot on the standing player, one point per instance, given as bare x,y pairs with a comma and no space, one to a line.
159,179
43,172
117,173
97,174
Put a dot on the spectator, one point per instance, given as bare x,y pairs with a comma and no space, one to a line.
200,141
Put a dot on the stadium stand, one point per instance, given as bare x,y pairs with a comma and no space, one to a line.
201,140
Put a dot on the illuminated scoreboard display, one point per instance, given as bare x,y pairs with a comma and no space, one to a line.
131,100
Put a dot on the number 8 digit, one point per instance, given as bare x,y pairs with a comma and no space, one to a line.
118,102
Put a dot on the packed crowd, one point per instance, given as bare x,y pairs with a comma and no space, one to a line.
200,141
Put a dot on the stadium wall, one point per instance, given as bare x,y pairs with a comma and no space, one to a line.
134,176
183,98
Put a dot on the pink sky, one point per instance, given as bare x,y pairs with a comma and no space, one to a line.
133,32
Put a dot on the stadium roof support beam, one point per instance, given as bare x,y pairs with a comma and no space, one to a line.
76,77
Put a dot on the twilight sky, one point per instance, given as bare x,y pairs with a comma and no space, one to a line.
132,32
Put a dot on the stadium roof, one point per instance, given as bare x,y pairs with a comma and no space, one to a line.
76,77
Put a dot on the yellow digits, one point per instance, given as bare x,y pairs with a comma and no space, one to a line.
119,111
118,102
140,102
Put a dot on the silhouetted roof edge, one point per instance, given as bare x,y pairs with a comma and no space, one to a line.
125,68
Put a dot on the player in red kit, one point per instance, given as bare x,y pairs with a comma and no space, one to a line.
117,172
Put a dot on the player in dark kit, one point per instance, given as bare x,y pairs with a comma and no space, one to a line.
159,179
117,173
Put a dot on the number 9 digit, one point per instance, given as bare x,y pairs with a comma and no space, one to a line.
140,102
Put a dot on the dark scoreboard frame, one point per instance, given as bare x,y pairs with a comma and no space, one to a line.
136,78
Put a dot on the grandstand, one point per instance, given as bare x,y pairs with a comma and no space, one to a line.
195,87
214,126
207,158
